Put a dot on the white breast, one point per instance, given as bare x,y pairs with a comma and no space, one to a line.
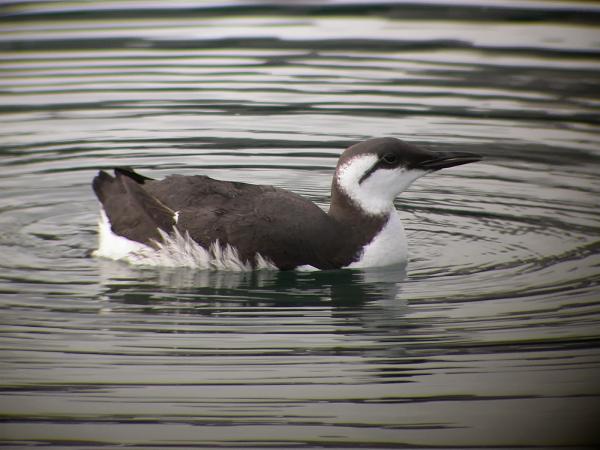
387,248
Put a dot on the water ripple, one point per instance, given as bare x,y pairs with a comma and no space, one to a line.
492,326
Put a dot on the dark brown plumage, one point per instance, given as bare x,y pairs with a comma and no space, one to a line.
281,226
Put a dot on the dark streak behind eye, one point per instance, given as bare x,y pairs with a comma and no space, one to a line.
381,162
372,169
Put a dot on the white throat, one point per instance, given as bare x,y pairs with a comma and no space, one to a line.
376,194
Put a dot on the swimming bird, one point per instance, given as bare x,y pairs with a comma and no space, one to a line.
202,222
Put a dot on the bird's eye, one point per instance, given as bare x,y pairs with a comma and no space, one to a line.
389,158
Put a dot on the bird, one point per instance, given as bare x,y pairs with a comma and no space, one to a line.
201,222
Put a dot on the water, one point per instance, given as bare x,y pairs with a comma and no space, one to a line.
490,338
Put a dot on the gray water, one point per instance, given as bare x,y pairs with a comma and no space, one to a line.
489,338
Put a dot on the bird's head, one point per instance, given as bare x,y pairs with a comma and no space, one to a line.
373,172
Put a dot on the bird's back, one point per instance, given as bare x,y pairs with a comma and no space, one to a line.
278,225
281,226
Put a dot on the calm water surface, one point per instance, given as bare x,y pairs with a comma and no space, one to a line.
490,337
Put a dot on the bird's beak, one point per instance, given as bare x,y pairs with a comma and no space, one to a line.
444,160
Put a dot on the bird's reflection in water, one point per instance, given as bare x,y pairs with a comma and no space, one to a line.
358,307
258,288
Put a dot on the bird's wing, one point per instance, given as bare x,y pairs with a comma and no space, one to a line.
282,226
287,229
133,212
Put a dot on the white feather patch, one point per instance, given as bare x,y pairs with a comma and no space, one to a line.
376,194
175,250
111,245
389,247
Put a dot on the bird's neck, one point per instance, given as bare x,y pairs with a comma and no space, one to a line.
353,219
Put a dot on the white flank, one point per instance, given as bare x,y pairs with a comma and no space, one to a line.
175,250
387,248
376,194
113,246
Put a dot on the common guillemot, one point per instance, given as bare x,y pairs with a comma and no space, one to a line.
201,222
